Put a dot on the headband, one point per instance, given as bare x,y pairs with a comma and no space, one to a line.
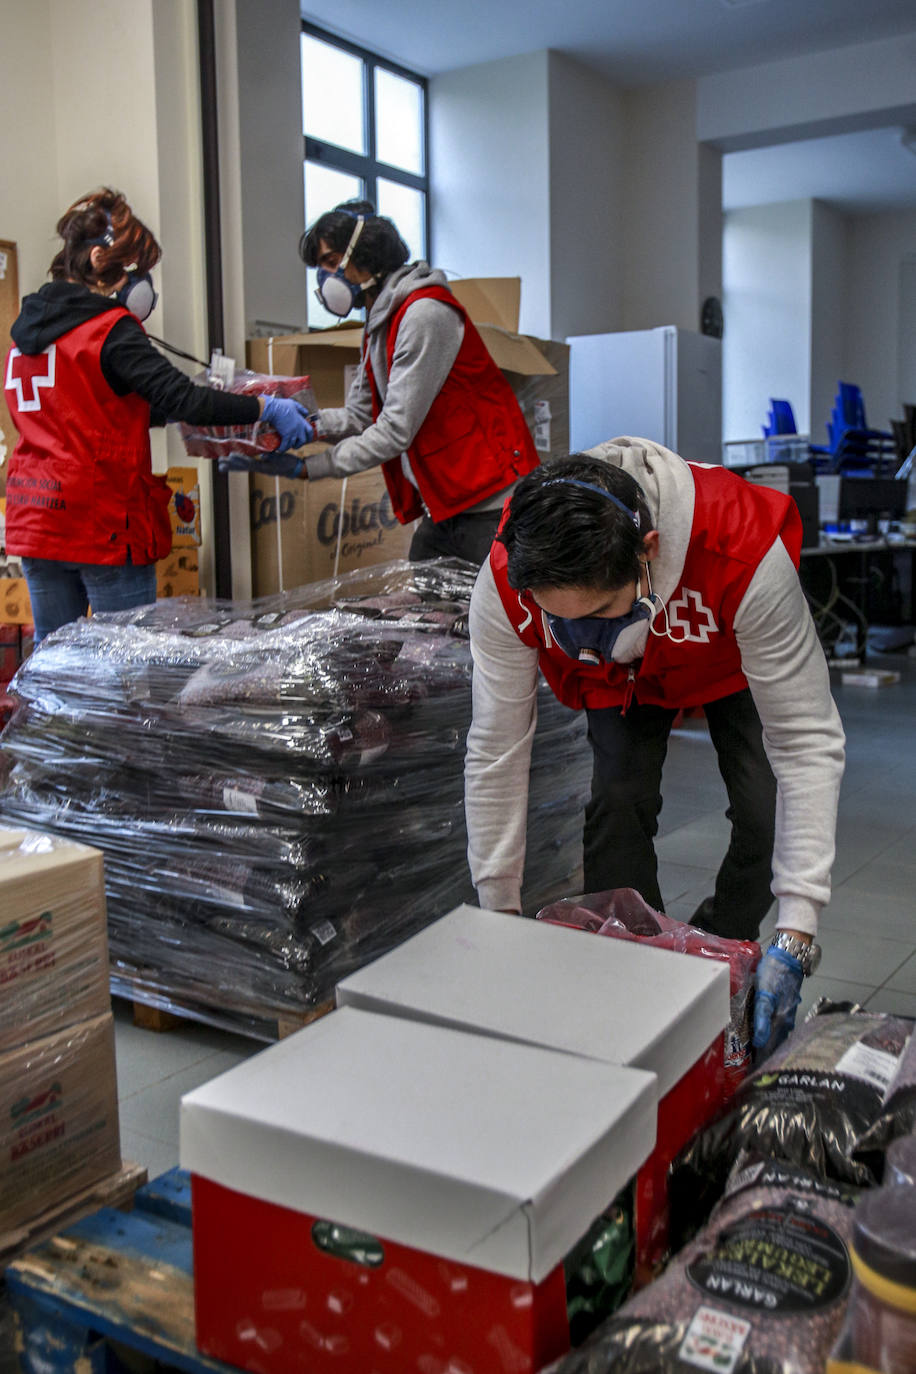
590,486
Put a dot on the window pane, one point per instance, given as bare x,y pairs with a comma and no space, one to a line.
325,188
398,121
332,95
405,206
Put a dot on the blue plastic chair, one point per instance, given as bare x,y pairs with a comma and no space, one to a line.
854,448
781,419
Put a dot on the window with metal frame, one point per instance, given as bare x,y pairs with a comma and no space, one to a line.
365,128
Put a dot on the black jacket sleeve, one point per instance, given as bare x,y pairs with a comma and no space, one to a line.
130,363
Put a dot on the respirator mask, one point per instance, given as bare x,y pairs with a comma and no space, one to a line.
338,295
591,639
138,295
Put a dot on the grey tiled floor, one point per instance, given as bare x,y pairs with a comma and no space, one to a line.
868,931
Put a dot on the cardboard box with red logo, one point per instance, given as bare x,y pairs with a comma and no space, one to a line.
53,935
58,1118
376,1193
499,975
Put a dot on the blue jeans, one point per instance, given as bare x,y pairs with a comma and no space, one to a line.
61,592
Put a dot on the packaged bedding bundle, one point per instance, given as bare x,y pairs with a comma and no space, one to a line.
761,1290
219,441
277,786
810,1104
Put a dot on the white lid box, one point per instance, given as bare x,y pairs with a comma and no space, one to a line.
525,980
482,1151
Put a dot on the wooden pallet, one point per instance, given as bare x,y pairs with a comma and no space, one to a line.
115,1190
155,1018
113,1277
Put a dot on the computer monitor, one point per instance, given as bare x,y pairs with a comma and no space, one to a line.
872,500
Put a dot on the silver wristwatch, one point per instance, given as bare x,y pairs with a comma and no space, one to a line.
809,956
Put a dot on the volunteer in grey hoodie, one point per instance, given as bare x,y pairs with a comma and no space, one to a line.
641,584
428,404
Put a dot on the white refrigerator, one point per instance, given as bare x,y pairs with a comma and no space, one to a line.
662,384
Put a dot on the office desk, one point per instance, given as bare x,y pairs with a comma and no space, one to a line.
865,582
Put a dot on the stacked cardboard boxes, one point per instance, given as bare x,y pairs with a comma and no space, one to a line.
303,532
58,1089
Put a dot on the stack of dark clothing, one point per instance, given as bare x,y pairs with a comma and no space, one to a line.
276,785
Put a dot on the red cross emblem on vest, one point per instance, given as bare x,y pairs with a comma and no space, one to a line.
26,372
688,615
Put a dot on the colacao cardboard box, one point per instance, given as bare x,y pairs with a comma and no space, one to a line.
53,935
613,1000
179,574
58,1118
15,606
472,1165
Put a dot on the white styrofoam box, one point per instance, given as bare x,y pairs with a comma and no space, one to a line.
526,980
483,1151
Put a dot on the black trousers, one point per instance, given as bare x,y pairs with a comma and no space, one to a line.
466,536
621,819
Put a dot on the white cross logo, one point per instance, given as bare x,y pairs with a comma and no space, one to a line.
27,368
689,614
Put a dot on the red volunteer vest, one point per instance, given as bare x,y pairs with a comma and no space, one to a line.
474,441
80,486
734,524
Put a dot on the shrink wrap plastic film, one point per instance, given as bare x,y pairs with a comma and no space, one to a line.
58,1119
623,914
53,940
219,441
761,1290
277,786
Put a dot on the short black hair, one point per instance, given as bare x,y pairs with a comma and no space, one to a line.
558,534
379,249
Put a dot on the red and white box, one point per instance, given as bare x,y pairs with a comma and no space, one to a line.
611,1000
471,1166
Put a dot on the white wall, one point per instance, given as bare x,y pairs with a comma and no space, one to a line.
586,200
767,307
829,298
878,246
672,188
489,166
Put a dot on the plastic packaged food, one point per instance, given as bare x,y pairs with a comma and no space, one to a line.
218,441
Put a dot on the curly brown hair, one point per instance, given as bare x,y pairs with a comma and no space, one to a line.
102,219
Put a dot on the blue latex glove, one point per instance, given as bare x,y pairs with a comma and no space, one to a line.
271,465
778,993
289,419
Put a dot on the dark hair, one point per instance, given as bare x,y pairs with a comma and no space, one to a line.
562,535
379,249
102,219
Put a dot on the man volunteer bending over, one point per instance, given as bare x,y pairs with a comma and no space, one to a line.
642,584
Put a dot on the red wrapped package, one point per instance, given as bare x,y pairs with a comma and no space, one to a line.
218,441
622,914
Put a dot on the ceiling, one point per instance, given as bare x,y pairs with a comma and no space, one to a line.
636,42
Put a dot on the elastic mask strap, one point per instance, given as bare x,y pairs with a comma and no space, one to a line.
354,240
659,605
590,486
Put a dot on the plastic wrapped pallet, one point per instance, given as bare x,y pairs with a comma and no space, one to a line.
53,938
58,1119
277,785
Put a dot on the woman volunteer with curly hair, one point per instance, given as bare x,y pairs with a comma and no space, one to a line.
84,510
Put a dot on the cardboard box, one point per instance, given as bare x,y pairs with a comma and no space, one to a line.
58,1119
612,1000
473,1164
184,507
179,574
544,401
53,935
15,606
307,531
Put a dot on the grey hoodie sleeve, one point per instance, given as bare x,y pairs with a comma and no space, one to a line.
498,755
787,673
429,337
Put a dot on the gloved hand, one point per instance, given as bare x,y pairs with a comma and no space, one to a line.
271,465
289,419
777,995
